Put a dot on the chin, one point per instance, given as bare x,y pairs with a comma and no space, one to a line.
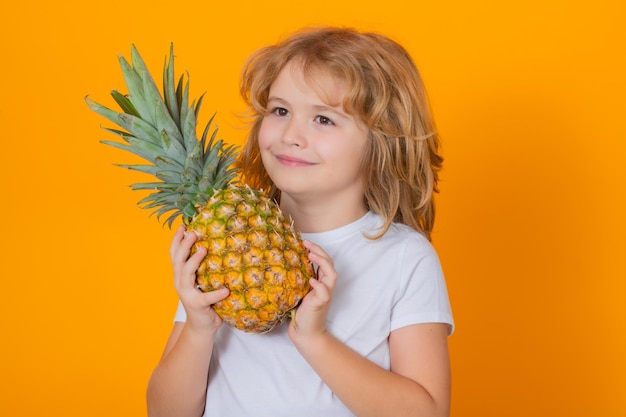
291,188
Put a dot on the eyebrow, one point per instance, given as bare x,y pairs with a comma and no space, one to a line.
316,107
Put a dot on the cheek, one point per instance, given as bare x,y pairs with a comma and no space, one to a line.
266,135
265,143
338,148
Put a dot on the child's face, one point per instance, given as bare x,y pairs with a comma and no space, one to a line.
311,148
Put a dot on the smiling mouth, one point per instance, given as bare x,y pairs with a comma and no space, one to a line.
292,161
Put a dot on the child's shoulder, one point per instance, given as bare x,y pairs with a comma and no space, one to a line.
400,235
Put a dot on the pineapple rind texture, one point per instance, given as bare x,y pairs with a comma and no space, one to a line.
252,248
254,252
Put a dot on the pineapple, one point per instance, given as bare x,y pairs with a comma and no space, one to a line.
253,249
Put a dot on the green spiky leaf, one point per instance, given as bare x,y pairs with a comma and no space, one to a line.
160,127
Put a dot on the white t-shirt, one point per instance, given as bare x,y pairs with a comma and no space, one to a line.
382,285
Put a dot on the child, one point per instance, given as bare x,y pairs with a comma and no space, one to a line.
342,137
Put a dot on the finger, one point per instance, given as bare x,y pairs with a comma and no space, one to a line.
320,292
184,248
326,269
193,263
185,275
312,247
178,237
216,296
317,252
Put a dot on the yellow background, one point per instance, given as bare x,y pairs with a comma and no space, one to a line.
529,98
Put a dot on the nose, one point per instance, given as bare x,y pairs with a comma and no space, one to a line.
295,133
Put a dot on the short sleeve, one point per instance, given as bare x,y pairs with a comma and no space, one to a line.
181,315
422,296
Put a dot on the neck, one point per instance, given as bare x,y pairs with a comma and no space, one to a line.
311,216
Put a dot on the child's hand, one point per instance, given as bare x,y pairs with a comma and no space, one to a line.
310,317
197,304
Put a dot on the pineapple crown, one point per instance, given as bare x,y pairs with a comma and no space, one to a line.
161,128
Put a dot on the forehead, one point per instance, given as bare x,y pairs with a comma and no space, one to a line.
329,87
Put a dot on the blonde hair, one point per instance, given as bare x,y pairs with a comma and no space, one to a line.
385,91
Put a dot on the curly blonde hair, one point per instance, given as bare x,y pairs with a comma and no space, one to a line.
402,160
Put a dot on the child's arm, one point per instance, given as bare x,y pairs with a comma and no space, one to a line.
419,381
178,384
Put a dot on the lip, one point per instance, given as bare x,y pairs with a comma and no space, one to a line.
292,161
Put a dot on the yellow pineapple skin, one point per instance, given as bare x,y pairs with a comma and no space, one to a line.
253,251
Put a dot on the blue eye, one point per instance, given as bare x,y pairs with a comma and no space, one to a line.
324,120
